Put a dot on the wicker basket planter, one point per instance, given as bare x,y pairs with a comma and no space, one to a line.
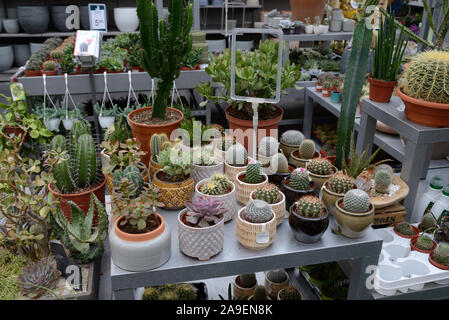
273,288
300,162
229,199
200,243
278,208
329,197
231,171
203,172
154,166
244,189
319,180
173,194
255,236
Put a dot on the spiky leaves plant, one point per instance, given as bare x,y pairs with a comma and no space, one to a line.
290,293
164,46
39,277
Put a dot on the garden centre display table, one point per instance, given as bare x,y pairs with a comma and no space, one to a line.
285,252
418,148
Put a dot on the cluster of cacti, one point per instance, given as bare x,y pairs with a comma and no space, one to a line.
49,65
39,56
236,155
204,211
84,242
292,137
382,180
268,193
81,167
57,54
310,207
320,166
178,291
253,172
134,177
257,211
428,222
307,149
424,242
277,276
426,78
340,183
405,228
268,146
290,293
260,293
158,143
356,201
248,280
441,254
38,276
299,179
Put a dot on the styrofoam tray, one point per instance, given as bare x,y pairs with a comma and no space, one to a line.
401,269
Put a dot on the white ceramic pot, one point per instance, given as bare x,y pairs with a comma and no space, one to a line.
68,124
126,19
203,172
11,25
276,22
258,25
200,243
229,199
216,45
336,25
324,28
52,124
309,29
106,122
105,159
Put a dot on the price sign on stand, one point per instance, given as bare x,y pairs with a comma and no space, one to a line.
98,17
87,47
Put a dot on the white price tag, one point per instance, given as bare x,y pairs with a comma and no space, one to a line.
263,236
98,17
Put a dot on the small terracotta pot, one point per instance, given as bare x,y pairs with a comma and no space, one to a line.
14,131
353,225
405,236
414,247
436,264
307,230
326,92
139,237
32,73
381,90
273,288
318,86
241,292
279,207
50,73
244,189
300,162
292,195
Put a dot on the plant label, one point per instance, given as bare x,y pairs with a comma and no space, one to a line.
87,47
98,17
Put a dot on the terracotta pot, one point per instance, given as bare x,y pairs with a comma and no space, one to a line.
248,234
32,73
436,264
50,73
173,194
143,132
329,197
292,195
414,247
381,90
326,92
278,208
302,9
81,199
244,189
300,162
307,230
264,127
229,199
240,292
426,113
353,225
277,178
14,131
273,288
405,236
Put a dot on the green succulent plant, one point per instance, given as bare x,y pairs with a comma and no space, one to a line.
248,280
290,293
356,201
320,166
268,193
405,228
39,277
260,293
253,172
441,254
178,291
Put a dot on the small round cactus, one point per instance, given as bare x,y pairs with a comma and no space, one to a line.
384,167
356,201
340,183
260,293
279,163
320,166
292,137
253,172
221,180
248,280
268,146
428,221
299,179
424,243
441,254
49,65
307,149
212,188
57,54
405,229
277,276
268,193
290,293
382,181
257,211
310,207
236,155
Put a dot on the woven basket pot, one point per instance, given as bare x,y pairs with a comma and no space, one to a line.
300,162
173,194
203,172
273,288
244,189
287,149
353,225
231,171
229,200
200,243
319,180
329,197
248,234
278,208
154,166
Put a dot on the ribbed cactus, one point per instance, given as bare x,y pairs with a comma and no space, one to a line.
134,176
57,54
279,163
248,280
236,155
49,65
277,276
212,188
299,179
292,137
424,243
441,254
257,211
384,166
426,77
268,193
320,166
340,183
268,146
164,46
260,293
405,228
157,143
307,149
382,181
356,201
253,172
79,128
310,207
85,161
221,180
58,143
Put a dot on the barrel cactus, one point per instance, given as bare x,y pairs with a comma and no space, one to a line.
212,188
57,54
49,65
277,276
356,201
157,143
268,146
236,155
221,180
340,183
307,149
424,242
257,211
290,293
320,166
253,174
441,254
382,181
268,193
426,77
279,163
299,179
292,137
405,228
310,207
384,166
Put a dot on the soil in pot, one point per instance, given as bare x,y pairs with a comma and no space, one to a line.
267,114
416,247
277,178
436,264
152,224
144,117
167,178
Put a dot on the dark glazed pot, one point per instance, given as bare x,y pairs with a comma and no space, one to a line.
307,230
84,18
292,195
33,19
59,17
277,178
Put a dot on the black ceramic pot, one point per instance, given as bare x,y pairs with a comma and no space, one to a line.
292,195
277,178
59,17
307,230
33,19
84,18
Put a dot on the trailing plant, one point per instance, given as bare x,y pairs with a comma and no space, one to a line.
203,212
106,112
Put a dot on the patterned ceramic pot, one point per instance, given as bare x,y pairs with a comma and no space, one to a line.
229,199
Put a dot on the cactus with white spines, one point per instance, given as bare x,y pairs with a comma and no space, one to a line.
307,149
356,201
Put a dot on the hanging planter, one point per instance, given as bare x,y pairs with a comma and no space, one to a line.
106,121
68,123
52,124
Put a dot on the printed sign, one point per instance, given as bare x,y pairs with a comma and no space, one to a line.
87,47
98,17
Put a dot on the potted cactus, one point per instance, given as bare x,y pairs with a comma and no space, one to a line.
279,169
290,141
79,174
336,188
305,153
289,293
274,197
308,219
260,293
354,213
33,68
249,180
276,280
236,160
268,146
207,161
320,170
383,179
139,239
160,41
405,230
296,185
221,188
423,243
327,88
440,256
428,223
201,228
244,286
118,133
158,143
49,68
256,225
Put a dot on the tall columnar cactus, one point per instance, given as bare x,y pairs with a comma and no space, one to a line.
310,207
382,181
164,46
307,149
279,163
79,128
268,193
158,143
85,161
356,201
299,179
253,172
236,155
257,211
340,183
320,166
268,146
292,137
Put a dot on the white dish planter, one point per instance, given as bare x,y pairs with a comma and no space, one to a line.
200,243
106,121
146,252
52,124
203,172
126,19
229,199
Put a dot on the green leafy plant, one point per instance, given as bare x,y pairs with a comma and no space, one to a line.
112,63
122,154
176,163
